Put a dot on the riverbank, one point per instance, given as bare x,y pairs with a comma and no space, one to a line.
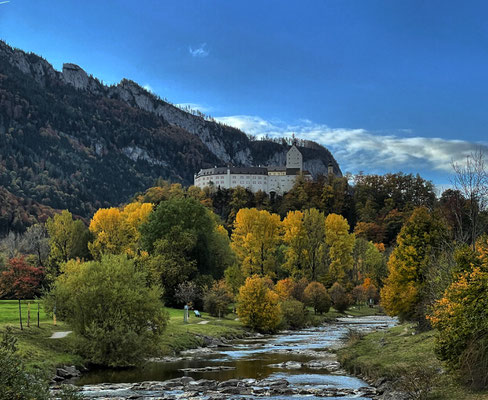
403,358
44,354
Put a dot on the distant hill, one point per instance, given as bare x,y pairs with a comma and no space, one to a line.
68,141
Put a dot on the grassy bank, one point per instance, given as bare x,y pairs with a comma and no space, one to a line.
402,355
42,353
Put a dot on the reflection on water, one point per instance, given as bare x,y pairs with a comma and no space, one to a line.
257,358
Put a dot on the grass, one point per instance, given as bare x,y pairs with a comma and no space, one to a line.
44,354
400,353
41,353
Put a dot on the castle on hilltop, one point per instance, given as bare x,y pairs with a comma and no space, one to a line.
270,180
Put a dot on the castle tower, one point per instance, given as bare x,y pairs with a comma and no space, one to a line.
294,158
330,168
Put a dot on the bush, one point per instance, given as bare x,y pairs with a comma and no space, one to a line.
217,300
15,382
316,296
284,288
116,316
461,318
294,313
340,299
299,288
258,306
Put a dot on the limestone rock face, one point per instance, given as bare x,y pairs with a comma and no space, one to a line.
75,76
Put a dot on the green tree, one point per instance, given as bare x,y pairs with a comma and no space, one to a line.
68,239
117,317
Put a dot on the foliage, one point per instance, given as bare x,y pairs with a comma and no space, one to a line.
284,288
340,299
234,279
109,305
317,297
255,241
299,289
20,280
258,306
15,382
217,300
68,239
209,247
304,236
294,313
116,231
341,244
187,292
461,318
419,241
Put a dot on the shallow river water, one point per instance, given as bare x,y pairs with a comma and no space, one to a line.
297,364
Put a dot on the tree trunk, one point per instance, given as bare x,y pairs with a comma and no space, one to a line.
20,316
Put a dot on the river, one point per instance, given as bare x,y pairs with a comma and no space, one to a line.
288,365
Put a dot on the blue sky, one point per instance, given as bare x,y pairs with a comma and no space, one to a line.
385,85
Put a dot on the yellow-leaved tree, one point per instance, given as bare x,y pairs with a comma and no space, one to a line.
304,236
117,231
341,245
255,240
258,306
418,243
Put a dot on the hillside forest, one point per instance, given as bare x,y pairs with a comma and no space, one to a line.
379,239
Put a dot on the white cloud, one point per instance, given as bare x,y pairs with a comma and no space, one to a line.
200,52
148,88
4,2
195,106
359,149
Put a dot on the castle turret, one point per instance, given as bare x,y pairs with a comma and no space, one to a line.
330,168
294,158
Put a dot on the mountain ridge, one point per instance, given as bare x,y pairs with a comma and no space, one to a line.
69,141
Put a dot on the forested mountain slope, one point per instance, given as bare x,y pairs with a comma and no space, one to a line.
68,141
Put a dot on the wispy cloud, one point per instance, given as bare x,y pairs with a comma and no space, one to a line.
195,106
4,2
359,149
200,51
148,88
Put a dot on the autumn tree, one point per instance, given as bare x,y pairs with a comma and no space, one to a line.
35,241
255,241
68,239
471,180
420,240
217,299
340,299
341,245
187,292
116,231
461,320
285,288
258,306
20,281
304,236
316,296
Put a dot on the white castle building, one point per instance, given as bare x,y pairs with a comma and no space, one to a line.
268,179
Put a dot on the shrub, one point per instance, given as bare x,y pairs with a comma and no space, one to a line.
258,306
461,318
284,288
294,313
15,382
116,316
299,288
316,296
217,300
340,299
